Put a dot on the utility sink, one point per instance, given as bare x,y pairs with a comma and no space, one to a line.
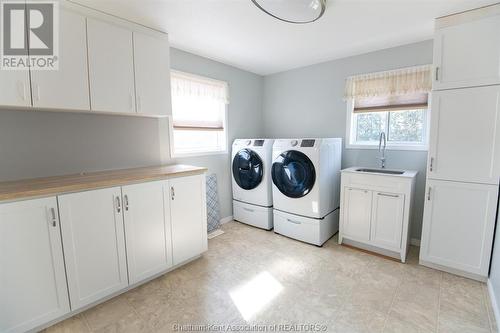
384,171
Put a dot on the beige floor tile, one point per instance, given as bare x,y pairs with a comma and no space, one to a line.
75,324
398,325
359,319
108,313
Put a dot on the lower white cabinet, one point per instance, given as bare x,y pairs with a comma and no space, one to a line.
147,229
386,219
459,221
357,213
32,279
94,244
375,211
188,215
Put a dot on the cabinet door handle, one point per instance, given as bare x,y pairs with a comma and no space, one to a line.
53,218
139,103
21,89
118,205
431,164
125,202
294,222
429,194
249,210
437,74
388,195
172,192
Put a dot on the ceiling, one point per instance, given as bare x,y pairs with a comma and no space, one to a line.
237,33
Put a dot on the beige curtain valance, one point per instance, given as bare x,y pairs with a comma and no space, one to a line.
399,89
193,86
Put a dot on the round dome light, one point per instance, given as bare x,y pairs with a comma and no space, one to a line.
293,11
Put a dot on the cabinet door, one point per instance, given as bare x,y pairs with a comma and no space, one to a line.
188,217
459,220
146,230
94,244
465,138
152,74
468,54
32,279
15,88
67,87
357,213
111,67
387,220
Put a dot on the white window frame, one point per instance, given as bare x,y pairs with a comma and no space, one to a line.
171,130
351,142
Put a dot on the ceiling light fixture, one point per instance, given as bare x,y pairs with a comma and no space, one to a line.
293,11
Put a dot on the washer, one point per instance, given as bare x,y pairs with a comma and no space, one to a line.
306,188
252,192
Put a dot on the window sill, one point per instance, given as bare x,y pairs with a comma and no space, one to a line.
199,154
388,147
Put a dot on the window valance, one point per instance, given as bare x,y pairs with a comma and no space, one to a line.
390,83
193,86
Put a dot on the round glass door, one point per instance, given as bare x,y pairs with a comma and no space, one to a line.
248,169
293,174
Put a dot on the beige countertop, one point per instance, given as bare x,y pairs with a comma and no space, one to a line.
47,186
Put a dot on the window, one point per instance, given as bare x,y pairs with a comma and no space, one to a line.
394,102
198,115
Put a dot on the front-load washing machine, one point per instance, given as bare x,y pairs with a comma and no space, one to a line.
252,193
306,188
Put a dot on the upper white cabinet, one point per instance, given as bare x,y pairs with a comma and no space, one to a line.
32,278
15,88
459,224
357,205
111,67
147,230
465,135
467,50
67,87
188,216
152,74
94,244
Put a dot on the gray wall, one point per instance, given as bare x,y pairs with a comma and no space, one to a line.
307,102
37,144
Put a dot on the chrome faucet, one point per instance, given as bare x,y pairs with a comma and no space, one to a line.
381,149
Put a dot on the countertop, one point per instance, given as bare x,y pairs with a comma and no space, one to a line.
47,186
405,174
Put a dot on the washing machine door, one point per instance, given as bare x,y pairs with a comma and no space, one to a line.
248,169
293,174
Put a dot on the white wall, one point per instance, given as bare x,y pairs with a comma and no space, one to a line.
307,102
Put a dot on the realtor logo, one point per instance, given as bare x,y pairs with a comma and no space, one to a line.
29,35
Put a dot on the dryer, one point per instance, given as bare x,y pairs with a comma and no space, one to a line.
306,188
251,182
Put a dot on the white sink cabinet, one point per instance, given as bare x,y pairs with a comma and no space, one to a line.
375,210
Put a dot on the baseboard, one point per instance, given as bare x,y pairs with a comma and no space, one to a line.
494,303
415,242
226,219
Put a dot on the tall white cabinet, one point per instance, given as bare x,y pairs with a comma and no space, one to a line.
32,278
464,153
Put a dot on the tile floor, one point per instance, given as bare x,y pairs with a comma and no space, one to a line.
250,276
